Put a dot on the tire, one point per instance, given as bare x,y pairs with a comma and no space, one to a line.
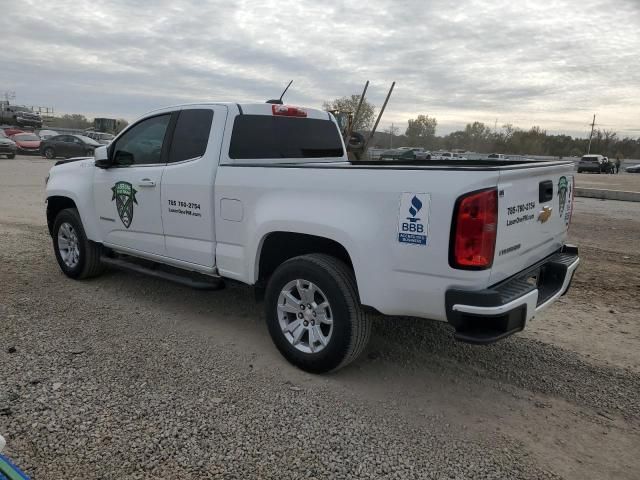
579,171
349,331
49,153
87,253
11,156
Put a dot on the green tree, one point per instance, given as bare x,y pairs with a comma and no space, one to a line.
478,135
74,120
367,114
421,131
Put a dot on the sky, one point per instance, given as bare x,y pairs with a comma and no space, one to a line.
552,63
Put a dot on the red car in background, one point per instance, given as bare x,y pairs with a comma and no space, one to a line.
27,143
13,131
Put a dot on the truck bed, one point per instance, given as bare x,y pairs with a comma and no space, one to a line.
484,163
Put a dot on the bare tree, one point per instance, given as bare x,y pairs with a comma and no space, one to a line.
350,104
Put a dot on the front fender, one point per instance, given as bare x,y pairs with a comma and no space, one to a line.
75,181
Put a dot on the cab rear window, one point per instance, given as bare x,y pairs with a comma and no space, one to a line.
266,137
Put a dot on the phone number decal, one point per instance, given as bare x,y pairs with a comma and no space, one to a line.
521,208
190,209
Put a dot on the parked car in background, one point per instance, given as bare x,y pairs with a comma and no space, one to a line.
47,134
498,156
9,131
27,143
447,156
406,153
68,146
633,169
21,116
8,147
593,163
102,138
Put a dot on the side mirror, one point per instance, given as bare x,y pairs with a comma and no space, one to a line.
102,158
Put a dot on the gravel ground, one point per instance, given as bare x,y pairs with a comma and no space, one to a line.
130,377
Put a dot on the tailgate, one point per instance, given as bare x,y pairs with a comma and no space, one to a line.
534,208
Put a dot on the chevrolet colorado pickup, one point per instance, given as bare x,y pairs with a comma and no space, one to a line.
264,194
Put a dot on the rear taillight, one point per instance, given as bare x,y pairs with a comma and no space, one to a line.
473,233
288,111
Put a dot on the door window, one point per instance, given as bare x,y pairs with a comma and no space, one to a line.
191,135
142,144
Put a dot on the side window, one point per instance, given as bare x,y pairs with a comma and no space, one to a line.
142,143
191,135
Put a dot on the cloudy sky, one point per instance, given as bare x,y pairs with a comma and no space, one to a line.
551,63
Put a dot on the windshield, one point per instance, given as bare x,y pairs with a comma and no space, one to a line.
589,159
87,140
27,137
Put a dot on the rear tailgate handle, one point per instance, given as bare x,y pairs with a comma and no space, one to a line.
546,191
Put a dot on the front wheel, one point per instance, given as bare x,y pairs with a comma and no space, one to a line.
11,156
77,256
313,313
49,153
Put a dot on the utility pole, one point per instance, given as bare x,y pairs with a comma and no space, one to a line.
391,141
593,124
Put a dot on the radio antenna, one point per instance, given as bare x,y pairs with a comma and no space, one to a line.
279,101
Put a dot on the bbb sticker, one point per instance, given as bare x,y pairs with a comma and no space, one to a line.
413,218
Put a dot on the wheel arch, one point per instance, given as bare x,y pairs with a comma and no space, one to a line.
277,247
55,204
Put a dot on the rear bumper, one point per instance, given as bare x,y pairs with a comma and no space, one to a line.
486,316
28,151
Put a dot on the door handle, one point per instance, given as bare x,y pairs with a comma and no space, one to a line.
145,182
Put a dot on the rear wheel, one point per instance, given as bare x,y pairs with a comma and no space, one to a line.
49,153
77,256
314,315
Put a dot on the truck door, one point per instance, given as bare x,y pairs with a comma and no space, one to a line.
188,204
127,195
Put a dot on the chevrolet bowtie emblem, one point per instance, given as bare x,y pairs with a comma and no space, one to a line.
544,215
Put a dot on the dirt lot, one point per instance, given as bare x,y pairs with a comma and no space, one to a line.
130,377
628,181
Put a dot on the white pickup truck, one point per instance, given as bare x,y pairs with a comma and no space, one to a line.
264,194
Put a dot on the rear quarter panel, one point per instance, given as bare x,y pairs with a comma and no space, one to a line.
360,209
